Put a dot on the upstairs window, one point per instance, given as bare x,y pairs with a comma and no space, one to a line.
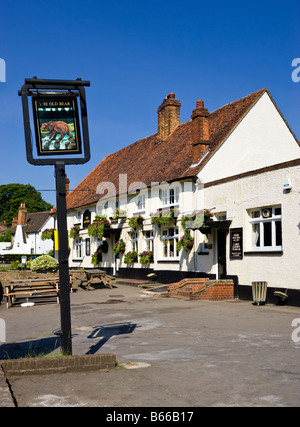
169,196
140,202
266,228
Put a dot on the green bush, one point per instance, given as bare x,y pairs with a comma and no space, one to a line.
44,263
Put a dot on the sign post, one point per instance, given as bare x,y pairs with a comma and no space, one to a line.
56,118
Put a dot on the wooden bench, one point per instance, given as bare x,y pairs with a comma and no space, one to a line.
94,277
18,288
10,295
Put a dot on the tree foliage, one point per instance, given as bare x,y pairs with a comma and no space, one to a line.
11,197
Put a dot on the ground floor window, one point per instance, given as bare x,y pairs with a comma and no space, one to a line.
169,240
134,241
266,228
148,238
78,248
88,247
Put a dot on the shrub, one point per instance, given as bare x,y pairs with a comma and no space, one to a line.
44,263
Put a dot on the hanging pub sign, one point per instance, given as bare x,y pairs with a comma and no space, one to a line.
59,118
56,122
236,243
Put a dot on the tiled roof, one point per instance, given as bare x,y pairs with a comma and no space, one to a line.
150,160
34,222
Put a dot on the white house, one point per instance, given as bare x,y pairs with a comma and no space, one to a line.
27,230
240,162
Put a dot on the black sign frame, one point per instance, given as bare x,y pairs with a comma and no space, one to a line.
236,243
56,88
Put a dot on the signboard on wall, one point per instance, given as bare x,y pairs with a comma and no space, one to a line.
56,125
236,243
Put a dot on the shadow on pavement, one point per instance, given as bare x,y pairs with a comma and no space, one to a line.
33,348
105,332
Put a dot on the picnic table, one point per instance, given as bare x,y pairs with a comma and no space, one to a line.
94,276
30,287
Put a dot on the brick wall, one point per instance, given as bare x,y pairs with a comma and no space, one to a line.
202,289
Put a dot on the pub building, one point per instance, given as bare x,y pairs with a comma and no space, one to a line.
217,197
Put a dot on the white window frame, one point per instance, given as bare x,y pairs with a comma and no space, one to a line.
78,248
141,202
168,236
134,238
170,196
258,218
148,241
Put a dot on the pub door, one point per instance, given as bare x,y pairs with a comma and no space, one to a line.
221,245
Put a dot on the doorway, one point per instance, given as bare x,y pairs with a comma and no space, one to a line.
221,254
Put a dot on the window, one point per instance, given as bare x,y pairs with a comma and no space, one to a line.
101,207
134,241
88,247
140,202
148,237
170,240
265,225
169,196
221,216
78,248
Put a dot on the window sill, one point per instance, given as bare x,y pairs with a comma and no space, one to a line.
77,259
168,260
276,252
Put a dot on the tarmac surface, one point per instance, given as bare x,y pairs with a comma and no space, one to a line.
170,352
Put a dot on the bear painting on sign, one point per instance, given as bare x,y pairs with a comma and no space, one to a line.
58,128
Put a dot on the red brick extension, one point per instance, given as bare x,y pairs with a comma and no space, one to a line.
202,289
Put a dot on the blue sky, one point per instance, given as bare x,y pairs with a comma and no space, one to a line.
134,53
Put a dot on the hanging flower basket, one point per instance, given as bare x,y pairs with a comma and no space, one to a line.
48,234
199,220
185,242
119,247
96,258
96,229
146,257
164,216
130,257
135,221
74,232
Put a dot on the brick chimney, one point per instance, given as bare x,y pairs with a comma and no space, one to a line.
200,131
22,215
168,116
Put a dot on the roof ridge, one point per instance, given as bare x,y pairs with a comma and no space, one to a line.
240,99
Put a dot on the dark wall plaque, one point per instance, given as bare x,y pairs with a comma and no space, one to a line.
236,243
86,219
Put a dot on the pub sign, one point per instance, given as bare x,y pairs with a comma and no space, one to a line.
56,125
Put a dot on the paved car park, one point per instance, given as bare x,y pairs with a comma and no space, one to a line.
170,352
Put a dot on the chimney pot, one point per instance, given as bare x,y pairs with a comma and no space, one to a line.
199,104
171,95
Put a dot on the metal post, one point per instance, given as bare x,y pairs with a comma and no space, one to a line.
64,279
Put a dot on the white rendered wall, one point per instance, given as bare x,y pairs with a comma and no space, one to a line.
236,197
261,139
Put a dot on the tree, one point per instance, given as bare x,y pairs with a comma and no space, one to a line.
11,197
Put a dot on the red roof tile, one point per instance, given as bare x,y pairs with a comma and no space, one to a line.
150,160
